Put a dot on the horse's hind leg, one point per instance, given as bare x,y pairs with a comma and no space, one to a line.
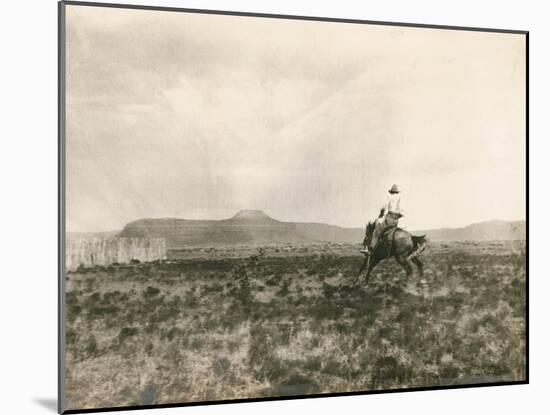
405,263
419,265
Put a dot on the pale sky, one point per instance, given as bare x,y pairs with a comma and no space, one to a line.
198,116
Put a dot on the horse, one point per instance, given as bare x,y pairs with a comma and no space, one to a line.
397,243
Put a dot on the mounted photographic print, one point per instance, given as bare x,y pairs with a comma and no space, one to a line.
259,207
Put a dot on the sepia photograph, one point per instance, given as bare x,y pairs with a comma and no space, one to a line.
261,207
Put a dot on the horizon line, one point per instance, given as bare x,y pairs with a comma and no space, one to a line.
291,221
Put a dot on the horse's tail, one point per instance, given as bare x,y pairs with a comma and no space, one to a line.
419,243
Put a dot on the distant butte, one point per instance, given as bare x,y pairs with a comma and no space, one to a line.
251,215
253,227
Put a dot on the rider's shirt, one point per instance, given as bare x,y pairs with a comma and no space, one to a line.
392,204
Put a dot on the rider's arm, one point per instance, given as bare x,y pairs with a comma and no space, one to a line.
387,205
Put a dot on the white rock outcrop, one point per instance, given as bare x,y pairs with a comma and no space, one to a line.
105,251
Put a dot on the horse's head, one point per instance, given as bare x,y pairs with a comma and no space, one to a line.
369,232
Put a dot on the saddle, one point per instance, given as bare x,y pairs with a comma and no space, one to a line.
388,233
386,239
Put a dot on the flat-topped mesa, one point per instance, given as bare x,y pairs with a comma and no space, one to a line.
252,215
256,228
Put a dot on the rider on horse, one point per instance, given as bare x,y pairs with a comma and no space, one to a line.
383,240
388,219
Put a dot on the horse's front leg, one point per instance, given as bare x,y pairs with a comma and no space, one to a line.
372,263
361,269
363,265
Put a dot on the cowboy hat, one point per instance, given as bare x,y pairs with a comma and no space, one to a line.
394,189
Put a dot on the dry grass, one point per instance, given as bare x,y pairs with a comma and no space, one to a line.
290,323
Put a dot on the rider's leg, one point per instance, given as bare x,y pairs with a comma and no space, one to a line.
391,220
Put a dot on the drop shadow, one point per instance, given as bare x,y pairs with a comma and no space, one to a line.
48,403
